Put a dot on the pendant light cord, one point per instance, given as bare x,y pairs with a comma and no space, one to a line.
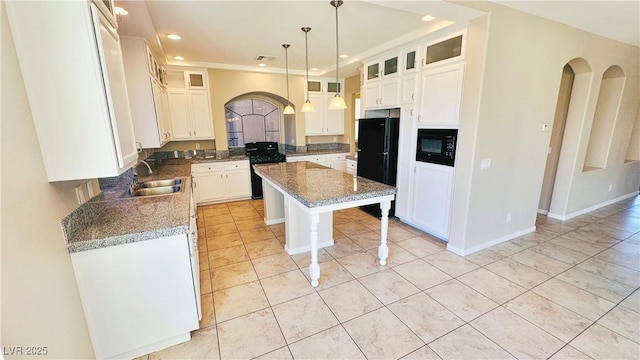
337,4
286,61
306,50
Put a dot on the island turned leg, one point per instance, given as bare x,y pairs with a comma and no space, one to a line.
383,250
314,268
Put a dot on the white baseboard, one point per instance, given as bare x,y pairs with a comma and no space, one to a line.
591,208
543,211
473,249
274,221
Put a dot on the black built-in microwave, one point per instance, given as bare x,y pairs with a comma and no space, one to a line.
437,146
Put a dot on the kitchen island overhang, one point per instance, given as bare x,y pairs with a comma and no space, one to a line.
304,195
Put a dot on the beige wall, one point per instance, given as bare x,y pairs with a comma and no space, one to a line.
509,92
352,89
40,300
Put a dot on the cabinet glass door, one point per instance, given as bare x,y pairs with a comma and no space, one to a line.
410,60
314,86
443,50
391,66
373,71
333,87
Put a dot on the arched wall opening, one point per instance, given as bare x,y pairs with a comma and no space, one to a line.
569,120
604,119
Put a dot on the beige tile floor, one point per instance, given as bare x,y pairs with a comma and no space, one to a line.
568,291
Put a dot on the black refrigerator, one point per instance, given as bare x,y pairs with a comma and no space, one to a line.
378,154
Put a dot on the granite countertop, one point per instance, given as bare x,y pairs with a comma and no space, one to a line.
114,218
315,185
315,152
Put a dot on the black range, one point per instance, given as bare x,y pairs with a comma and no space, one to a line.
262,152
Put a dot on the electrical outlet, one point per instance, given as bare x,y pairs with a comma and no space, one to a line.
610,187
485,164
509,216
197,146
90,189
80,195
545,127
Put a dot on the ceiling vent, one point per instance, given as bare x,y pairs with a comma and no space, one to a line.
266,58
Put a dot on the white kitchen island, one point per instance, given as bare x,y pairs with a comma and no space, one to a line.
304,195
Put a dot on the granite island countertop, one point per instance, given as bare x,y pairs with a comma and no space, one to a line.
315,185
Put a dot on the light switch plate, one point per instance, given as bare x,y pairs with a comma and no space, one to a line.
545,127
485,164
80,194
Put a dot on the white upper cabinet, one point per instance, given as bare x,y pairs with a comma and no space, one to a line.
145,94
382,82
189,104
442,79
324,121
190,114
441,95
72,67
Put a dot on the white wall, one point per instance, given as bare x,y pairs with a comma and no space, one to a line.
519,77
40,301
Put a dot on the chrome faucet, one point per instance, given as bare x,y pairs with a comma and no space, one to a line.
148,166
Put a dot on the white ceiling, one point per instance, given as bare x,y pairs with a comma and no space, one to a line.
231,34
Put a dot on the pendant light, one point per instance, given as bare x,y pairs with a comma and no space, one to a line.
308,106
288,110
337,103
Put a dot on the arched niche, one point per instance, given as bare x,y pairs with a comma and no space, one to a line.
604,118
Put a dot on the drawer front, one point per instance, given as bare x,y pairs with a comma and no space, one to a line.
352,164
204,168
236,165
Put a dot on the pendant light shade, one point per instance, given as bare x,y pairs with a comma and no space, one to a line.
308,106
288,110
337,103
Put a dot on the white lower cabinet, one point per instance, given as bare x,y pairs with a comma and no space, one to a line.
138,297
230,180
334,161
403,194
431,198
352,167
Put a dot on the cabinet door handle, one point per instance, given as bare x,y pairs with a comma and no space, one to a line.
221,176
413,96
414,170
194,133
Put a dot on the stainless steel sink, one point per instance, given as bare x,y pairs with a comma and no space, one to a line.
159,183
157,187
159,190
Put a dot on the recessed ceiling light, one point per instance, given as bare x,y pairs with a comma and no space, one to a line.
428,18
262,64
344,56
174,36
314,69
120,11
178,58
